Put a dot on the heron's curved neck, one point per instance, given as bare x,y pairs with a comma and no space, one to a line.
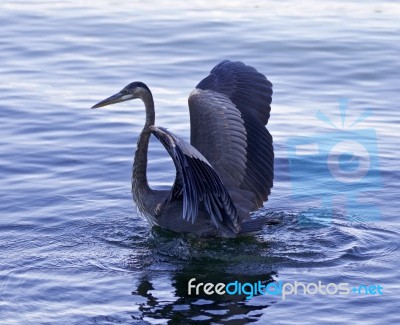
140,186
148,101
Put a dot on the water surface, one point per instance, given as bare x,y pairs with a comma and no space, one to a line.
74,249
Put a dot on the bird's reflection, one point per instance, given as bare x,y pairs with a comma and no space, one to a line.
167,299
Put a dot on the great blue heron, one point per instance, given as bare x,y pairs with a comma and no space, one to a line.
227,170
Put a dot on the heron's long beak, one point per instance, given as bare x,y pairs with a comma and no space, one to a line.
117,98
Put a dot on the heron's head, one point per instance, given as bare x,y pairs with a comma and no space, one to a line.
134,90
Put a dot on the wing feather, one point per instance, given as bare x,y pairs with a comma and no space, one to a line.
229,110
197,183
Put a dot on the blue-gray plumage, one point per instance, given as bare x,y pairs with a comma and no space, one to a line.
227,170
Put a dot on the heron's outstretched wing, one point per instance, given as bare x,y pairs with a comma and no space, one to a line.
197,183
228,113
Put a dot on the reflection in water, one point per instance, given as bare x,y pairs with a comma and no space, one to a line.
173,260
182,306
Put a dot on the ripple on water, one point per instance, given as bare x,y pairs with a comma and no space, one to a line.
282,248
286,245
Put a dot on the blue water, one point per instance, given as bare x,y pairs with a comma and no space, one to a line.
74,249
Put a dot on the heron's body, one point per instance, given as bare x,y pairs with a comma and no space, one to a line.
227,170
